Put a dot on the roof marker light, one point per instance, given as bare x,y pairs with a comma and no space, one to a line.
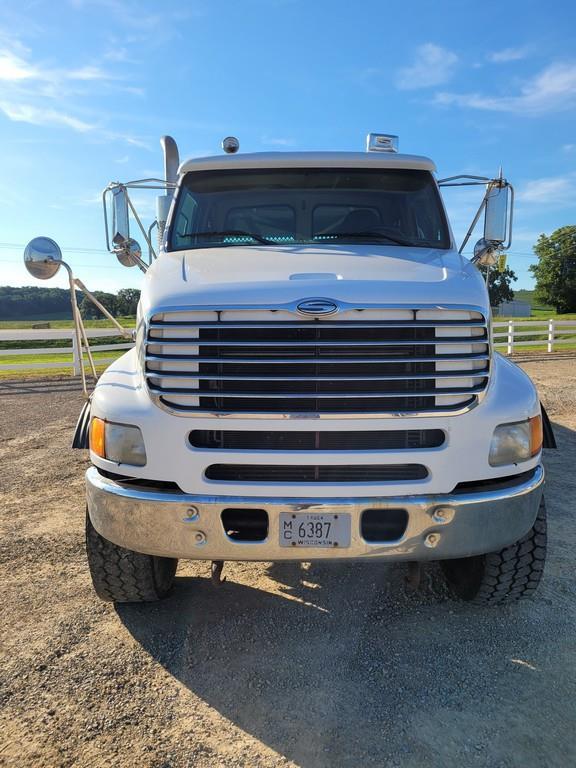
381,142
230,145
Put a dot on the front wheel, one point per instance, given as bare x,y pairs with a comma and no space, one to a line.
120,575
505,576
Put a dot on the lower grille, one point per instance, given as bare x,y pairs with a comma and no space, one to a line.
369,361
383,440
271,473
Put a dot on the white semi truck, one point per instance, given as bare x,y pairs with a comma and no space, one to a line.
312,378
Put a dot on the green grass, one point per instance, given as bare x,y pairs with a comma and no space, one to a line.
127,321
537,314
60,358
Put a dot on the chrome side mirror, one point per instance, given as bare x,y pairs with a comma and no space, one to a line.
42,258
127,250
496,214
120,214
485,253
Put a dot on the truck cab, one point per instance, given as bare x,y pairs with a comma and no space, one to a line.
313,378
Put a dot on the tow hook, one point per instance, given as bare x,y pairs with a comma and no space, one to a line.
216,573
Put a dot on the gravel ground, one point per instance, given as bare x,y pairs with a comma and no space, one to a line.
317,666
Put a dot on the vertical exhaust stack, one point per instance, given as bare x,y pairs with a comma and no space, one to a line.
171,163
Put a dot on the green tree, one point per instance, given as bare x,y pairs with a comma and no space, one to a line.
127,301
555,271
90,311
499,288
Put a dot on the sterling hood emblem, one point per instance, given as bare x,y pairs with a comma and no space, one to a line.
317,307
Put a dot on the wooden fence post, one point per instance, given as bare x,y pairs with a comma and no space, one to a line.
551,329
76,361
510,337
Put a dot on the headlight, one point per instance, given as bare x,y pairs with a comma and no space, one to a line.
512,443
121,443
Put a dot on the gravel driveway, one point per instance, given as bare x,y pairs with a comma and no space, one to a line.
317,666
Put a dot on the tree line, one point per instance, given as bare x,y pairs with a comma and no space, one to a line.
18,303
555,273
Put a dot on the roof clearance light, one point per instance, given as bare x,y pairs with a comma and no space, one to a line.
230,145
381,142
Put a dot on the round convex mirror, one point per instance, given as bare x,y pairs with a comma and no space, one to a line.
42,258
128,252
486,252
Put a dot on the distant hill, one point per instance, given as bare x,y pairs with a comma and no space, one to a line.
524,295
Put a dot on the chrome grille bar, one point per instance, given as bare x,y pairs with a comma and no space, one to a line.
309,325
313,395
150,374
315,360
315,344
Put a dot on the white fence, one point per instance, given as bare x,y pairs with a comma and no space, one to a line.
41,334
552,334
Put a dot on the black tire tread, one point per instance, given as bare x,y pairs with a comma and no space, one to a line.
506,576
120,575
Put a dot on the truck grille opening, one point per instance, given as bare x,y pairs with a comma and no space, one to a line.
383,525
229,440
245,524
355,473
366,362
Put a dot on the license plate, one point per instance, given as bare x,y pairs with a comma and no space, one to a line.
309,529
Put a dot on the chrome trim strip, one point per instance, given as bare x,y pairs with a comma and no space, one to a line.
219,395
282,324
292,306
473,373
468,340
188,411
324,360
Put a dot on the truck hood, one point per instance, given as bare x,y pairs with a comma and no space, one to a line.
267,276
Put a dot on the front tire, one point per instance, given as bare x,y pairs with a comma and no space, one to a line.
504,576
120,575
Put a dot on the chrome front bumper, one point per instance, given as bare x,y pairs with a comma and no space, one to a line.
186,526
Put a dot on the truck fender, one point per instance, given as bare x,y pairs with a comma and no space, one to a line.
80,439
549,439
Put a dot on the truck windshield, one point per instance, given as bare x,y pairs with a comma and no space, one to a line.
303,206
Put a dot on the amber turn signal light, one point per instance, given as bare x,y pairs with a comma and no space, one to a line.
97,437
536,435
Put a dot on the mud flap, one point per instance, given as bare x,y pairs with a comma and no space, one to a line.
80,439
549,439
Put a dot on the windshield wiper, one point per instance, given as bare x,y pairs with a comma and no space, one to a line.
233,233
372,236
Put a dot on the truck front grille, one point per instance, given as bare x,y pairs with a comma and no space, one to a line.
367,361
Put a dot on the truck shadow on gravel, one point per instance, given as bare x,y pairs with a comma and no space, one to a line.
343,664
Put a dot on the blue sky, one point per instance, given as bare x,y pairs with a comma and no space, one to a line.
87,87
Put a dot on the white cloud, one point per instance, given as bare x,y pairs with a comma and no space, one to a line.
433,65
507,54
27,113
554,89
39,93
13,68
569,147
558,190
89,73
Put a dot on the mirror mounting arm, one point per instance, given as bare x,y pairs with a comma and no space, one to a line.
123,331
